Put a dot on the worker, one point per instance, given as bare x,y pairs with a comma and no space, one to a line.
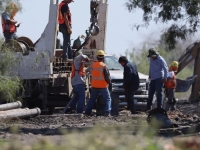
78,77
170,87
9,24
158,70
130,82
65,27
99,83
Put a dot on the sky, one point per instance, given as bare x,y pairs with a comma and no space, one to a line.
119,35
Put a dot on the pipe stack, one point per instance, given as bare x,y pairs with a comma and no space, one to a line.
60,66
13,110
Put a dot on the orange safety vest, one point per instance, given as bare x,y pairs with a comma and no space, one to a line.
80,71
11,27
98,78
61,19
171,83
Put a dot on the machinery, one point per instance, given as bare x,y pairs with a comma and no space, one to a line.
191,53
46,77
116,70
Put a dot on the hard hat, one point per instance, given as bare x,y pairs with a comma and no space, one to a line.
174,64
100,53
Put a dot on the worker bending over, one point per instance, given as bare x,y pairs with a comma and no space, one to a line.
130,82
78,78
9,24
170,87
99,82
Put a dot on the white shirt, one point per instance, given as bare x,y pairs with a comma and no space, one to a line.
170,74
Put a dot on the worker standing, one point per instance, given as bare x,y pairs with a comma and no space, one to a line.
130,82
78,77
170,87
65,27
9,24
158,76
99,83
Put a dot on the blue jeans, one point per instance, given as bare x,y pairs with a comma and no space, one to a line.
9,36
67,50
155,86
94,94
79,101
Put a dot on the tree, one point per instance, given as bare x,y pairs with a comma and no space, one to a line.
183,14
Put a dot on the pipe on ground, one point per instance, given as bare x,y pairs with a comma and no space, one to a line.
20,113
9,106
11,110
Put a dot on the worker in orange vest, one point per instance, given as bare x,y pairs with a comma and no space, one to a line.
99,83
78,77
9,24
65,27
170,87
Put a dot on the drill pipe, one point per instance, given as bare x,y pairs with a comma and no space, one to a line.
9,106
20,113
11,110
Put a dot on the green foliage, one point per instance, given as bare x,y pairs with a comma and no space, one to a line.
183,14
94,139
9,86
97,139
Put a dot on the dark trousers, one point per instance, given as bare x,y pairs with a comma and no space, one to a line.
10,36
155,86
171,100
67,51
129,98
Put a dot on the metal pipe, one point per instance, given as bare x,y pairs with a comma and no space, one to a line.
22,113
9,106
11,110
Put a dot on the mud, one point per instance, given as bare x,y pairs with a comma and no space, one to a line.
54,126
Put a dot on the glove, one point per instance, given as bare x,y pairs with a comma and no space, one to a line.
69,31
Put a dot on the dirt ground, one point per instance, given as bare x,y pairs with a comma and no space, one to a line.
187,116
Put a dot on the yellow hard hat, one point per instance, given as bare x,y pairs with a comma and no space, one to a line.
100,53
174,64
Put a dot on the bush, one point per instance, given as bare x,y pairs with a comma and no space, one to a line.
9,85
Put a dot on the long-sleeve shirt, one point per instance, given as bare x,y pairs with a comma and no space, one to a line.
77,79
130,70
158,68
6,17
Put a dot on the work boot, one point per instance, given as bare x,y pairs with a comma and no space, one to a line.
73,112
107,115
167,106
173,107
